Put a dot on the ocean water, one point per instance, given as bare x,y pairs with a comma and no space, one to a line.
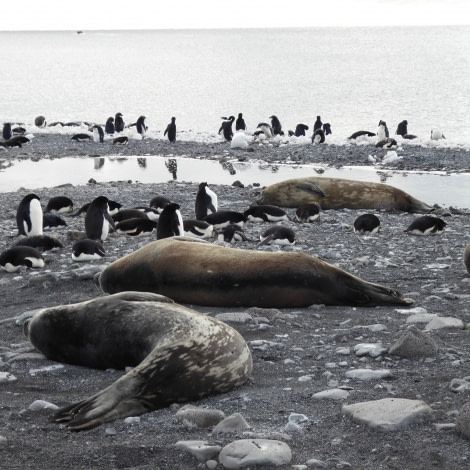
352,77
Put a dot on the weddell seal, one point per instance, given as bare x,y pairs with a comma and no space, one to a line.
192,271
179,354
337,193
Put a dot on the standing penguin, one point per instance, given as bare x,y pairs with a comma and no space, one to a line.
141,127
98,134
118,122
109,127
318,124
7,131
382,131
226,127
318,137
170,222
97,219
240,123
171,130
206,201
29,216
300,130
276,125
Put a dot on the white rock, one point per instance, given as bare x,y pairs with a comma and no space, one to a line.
440,323
200,449
421,318
368,374
371,349
331,394
39,405
6,377
232,423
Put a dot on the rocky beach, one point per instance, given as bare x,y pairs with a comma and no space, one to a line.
332,387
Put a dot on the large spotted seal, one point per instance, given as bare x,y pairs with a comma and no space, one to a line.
179,354
197,272
337,193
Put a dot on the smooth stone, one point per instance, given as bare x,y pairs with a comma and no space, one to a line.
459,385
200,417
332,394
200,449
232,423
297,418
421,318
371,349
6,377
250,452
39,405
389,414
413,344
234,317
132,420
374,328
440,323
315,463
368,374
411,311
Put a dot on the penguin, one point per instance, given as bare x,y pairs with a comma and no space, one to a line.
150,212
231,234
426,225
264,128
118,122
277,235
141,127
198,229
123,140
15,257
308,212
159,203
98,220
170,222
56,123
387,143
87,250
81,137
109,126
59,204
382,131
357,134
17,141
206,201
98,134
40,121
19,130
318,137
136,227
52,220
276,125
29,216
265,213
436,134
126,214
226,127
240,123
221,219
171,130
402,128
300,130
317,124
7,134
40,242
113,208
366,224
327,128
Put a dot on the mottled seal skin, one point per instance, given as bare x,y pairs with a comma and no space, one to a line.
337,193
195,272
179,354
466,258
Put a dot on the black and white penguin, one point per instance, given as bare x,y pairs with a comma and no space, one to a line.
436,134
40,121
206,201
7,134
98,134
221,219
366,224
50,220
231,234
300,130
109,126
426,225
276,125
402,129
59,205
226,128
382,131
198,229
136,227
122,140
140,125
98,220
265,213
81,137
357,134
126,214
16,141
118,122
318,137
317,124
159,203
113,208
170,222
56,123
18,130
40,242
171,130
265,129
387,143
327,128
308,212
150,212
87,250
277,235
240,123
29,216
15,257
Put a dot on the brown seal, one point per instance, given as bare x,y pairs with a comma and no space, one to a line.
196,272
466,258
337,193
179,355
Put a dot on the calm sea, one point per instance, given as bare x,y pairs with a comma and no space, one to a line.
352,77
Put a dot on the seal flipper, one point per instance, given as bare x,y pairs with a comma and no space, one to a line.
311,187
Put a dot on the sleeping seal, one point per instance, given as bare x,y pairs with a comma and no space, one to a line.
179,355
196,272
337,193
